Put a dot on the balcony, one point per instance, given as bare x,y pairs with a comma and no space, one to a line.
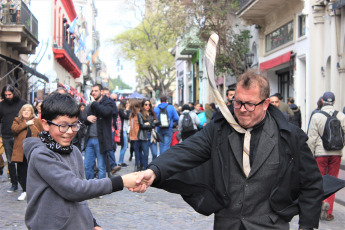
18,28
255,11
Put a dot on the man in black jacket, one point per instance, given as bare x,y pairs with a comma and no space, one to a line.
98,138
9,109
255,173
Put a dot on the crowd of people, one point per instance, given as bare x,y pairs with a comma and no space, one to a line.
216,156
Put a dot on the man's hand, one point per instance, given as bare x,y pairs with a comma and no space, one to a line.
144,180
97,228
92,118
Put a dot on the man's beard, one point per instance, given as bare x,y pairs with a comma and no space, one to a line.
9,100
97,98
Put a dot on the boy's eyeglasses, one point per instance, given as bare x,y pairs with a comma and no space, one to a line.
64,128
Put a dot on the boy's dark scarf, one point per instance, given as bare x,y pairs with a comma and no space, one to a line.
53,145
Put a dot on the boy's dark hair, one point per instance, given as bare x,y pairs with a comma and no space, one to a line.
59,105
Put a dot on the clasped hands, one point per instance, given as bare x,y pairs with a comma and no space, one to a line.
138,181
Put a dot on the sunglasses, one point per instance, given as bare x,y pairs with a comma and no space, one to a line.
147,104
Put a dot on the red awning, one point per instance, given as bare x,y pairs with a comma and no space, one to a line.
276,61
67,88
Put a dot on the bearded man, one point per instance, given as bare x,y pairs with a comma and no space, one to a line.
9,109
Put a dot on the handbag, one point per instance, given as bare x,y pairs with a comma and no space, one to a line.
155,137
117,137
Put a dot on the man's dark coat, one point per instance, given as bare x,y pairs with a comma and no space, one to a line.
103,110
297,187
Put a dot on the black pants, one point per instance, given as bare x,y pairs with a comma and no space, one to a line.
8,145
22,170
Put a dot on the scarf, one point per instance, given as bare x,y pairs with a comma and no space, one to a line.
53,145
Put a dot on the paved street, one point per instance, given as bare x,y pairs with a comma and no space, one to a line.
155,209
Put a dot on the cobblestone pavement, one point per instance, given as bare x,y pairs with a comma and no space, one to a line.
155,209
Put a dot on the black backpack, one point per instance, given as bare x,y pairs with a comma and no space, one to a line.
187,123
333,134
164,118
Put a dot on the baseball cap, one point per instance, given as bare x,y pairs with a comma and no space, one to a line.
328,97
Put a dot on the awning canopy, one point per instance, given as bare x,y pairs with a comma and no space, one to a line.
276,61
25,67
338,4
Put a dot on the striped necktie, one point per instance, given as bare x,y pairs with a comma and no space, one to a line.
210,57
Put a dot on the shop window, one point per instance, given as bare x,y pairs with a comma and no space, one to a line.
280,36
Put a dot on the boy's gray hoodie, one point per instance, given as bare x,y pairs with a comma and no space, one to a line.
57,188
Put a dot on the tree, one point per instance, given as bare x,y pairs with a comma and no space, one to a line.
151,42
119,83
218,16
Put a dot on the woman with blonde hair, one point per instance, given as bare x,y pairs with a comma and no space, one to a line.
25,125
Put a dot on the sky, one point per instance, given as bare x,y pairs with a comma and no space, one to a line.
114,17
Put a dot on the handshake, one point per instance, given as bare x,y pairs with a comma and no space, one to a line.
138,181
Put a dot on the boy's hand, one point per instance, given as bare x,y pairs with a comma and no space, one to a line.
130,180
144,180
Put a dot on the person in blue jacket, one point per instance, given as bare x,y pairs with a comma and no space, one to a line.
166,133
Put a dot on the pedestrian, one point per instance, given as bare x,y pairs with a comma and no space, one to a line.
318,108
124,112
250,167
78,140
188,122
297,117
37,107
274,100
56,188
230,93
150,116
111,160
140,143
98,137
283,106
209,109
328,159
9,109
24,126
165,132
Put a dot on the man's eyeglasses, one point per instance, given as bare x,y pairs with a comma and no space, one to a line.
250,107
64,128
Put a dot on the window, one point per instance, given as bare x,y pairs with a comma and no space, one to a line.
301,25
279,37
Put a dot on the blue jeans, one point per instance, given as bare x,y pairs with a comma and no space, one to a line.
166,135
141,158
152,146
91,153
124,147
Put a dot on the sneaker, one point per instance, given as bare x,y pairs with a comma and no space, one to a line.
324,211
123,165
13,188
22,196
115,169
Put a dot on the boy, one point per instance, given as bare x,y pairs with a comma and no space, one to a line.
56,184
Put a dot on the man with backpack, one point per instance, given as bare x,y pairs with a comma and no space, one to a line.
167,115
326,141
188,122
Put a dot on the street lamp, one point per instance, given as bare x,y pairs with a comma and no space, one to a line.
249,60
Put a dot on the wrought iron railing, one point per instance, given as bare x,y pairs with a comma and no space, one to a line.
19,15
70,53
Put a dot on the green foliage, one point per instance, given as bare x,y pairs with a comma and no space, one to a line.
219,17
117,82
150,44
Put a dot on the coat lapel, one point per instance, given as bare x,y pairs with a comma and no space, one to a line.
236,147
265,146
